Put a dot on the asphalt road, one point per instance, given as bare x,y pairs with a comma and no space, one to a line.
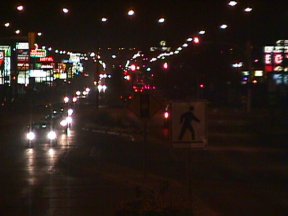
95,173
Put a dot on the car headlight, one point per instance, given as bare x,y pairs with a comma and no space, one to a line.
70,112
64,123
69,119
30,136
51,135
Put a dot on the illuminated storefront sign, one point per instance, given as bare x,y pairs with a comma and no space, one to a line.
6,64
23,56
75,57
2,59
38,73
7,50
38,53
47,66
22,45
275,57
47,59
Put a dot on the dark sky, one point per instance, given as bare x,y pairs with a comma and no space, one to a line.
81,29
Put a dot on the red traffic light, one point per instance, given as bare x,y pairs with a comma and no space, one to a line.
165,65
196,40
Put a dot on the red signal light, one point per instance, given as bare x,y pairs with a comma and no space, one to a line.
196,40
165,65
202,86
166,115
133,67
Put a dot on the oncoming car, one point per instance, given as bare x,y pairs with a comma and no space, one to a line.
40,133
62,120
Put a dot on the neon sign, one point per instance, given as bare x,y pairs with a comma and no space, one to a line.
38,53
274,57
47,59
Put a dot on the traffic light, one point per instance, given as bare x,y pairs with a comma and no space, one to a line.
165,66
133,67
196,40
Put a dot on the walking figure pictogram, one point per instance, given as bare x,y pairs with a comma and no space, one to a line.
186,120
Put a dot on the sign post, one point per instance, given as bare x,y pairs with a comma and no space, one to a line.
189,124
189,131
144,106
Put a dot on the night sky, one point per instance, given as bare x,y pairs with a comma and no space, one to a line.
82,29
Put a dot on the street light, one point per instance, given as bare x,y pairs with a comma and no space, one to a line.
223,26
20,7
131,12
161,20
104,19
7,24
232,3
202,32
65,10
248,9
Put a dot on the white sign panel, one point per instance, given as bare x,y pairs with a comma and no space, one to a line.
189,124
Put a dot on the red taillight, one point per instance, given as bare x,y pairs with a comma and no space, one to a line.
166,115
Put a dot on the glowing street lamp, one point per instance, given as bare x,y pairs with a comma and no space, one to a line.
131,12
248,9
223,26
20,7
104,19
17,31
185,45
65,10
161,20
232,3
7,24
39,34
202,32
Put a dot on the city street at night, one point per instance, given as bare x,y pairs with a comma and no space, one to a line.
143,108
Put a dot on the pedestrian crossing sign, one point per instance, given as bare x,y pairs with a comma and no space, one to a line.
189,124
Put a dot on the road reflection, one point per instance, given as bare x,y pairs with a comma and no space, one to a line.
41,159
30,167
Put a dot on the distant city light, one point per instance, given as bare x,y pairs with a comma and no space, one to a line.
7,24
190,39
20,7
65,10
161,20
104,19
224,26
237,65
131,12
17,31
39,34
165,65
185,45
114,56
232,3
248,9
202,32
196,40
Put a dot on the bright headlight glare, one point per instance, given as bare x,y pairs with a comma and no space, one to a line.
63,123
69,120
30,135
70,112
51,135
